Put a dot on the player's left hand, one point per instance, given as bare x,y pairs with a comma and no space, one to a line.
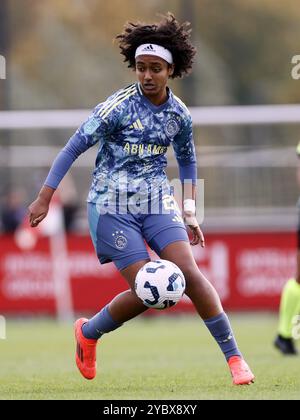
198,237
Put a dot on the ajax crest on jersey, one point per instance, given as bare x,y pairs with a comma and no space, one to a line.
172,127
160,284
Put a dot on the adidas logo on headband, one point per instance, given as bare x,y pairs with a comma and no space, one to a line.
157,50
149,48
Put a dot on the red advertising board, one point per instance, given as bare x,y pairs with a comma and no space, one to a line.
247,269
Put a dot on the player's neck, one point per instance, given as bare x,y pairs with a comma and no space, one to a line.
159,98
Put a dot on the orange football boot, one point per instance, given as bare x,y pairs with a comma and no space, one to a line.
85,351
240,371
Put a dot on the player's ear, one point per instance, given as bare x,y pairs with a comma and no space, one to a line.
171,70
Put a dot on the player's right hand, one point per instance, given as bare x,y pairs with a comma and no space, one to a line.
38,210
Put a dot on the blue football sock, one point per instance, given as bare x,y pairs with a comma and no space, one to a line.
100,324
220,329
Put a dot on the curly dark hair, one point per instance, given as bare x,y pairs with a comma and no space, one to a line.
168,33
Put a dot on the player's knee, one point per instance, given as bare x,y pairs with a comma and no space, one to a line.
196,282
131,271
191,274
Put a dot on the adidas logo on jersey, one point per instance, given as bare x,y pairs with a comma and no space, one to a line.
137,125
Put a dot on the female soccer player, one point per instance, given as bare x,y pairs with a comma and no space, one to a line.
130,200
289,312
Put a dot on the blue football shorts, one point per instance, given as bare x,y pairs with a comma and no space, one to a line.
120,238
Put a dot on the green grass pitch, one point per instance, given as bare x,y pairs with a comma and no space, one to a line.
161,358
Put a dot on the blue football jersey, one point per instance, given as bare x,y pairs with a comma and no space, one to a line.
133,137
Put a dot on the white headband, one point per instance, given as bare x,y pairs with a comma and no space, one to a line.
153,49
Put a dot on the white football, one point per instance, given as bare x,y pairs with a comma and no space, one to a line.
160,284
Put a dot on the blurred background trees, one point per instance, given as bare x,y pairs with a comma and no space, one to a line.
62,54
